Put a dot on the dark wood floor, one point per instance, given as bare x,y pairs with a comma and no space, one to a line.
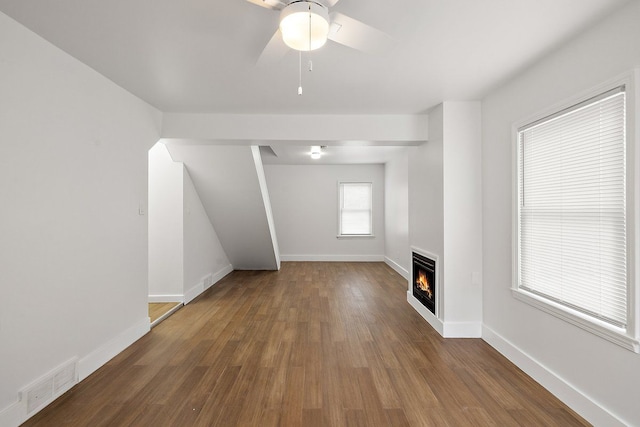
315,344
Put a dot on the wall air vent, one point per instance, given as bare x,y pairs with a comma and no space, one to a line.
50,386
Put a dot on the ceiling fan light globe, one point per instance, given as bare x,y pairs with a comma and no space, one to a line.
316,152
294,25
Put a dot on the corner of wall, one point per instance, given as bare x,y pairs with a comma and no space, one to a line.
94,360
206,282
435,323
462,330
397,267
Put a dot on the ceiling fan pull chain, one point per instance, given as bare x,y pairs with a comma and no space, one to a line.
310,63
300,72
309,28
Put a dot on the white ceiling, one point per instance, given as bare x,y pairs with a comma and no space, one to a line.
199,56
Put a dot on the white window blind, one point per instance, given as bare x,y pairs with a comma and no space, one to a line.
572,208
355,209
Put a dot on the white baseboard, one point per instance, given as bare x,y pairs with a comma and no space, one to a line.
462,330
446,329
564,391
166,298
220,275
189,295
333,258
426,314
13,415
397,267
193,292
90,363
206,282
16,413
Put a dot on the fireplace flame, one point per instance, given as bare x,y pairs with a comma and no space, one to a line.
423,284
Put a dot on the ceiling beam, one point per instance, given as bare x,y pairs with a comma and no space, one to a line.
264,129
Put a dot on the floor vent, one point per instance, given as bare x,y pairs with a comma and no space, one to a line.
53,384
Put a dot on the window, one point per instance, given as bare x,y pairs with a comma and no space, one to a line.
572,215
355,209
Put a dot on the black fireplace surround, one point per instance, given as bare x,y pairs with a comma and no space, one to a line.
424,281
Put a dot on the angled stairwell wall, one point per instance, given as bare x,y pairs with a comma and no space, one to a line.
231,184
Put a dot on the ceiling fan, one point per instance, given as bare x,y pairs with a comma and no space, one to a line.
307,24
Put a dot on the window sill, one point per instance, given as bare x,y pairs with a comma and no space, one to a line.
355,236
609,332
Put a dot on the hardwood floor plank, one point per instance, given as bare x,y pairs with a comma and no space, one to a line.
314,344
356,418
397,418
501,416
313,387
381,381
450,391
293,401
254,400
313,418
187,412
277,389
348,389
215,401
373,409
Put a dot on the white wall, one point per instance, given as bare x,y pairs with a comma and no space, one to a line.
445,212
426,190
462,181
203,253
166,240
73,252
583,369
396,213
304,200
184,250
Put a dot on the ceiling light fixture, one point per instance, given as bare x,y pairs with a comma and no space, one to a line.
304,25
316,152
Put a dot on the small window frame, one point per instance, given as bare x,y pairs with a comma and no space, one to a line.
342,235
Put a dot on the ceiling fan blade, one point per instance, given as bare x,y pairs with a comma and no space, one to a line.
330,3
357,35
274,51
269,4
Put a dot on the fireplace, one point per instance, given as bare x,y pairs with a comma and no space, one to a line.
424,281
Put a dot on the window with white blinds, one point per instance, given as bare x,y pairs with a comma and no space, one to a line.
355,209
572,215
